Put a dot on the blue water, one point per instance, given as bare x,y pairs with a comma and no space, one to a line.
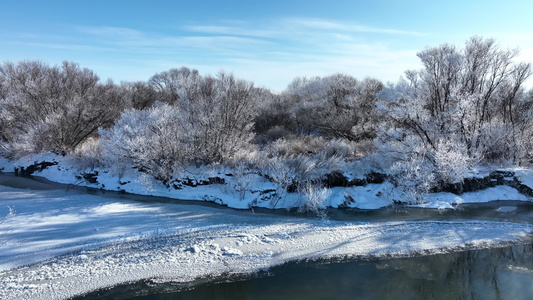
499,273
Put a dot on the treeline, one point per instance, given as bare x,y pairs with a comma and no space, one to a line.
467,106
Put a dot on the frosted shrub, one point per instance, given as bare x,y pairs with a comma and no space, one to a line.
470,96
315,196
528,145
413,174
295,171
150,140
210,124
309,145
501,144
336,106
340,148
281,175
5,150
89,154
243,178
298,145
452,161
417,170
312,168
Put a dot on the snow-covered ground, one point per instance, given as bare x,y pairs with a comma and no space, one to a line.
252,190
60,243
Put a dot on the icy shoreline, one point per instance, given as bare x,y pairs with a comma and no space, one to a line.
60,244
256,191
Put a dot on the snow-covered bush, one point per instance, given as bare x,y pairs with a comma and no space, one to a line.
280,174
293,172
412,172
416,169
310,145
151,140
243,177
314,196
451,161
89,154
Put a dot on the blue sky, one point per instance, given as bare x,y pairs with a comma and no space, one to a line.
267,42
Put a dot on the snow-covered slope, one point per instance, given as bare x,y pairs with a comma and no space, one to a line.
252,191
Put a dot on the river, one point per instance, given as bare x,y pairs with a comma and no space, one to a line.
496,273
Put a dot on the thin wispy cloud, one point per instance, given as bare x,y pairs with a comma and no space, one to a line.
261,41
271,53
288,27
109,31
321,24
70,47
134,40
232,30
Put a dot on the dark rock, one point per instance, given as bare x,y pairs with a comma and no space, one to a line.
267,191
29,170
91,177
266,195
216,180
522,188
189,182
210,198
468,185
293,188
526,190
347,200
375,177
358,182
475,184
495,174
335,179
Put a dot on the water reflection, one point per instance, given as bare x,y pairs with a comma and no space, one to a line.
500,273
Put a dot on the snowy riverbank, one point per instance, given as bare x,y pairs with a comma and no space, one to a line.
62,243
227,187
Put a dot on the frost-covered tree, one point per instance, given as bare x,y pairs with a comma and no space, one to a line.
219,114
465,106
46,108
140,94
471,96
211,120
170,84
336,106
